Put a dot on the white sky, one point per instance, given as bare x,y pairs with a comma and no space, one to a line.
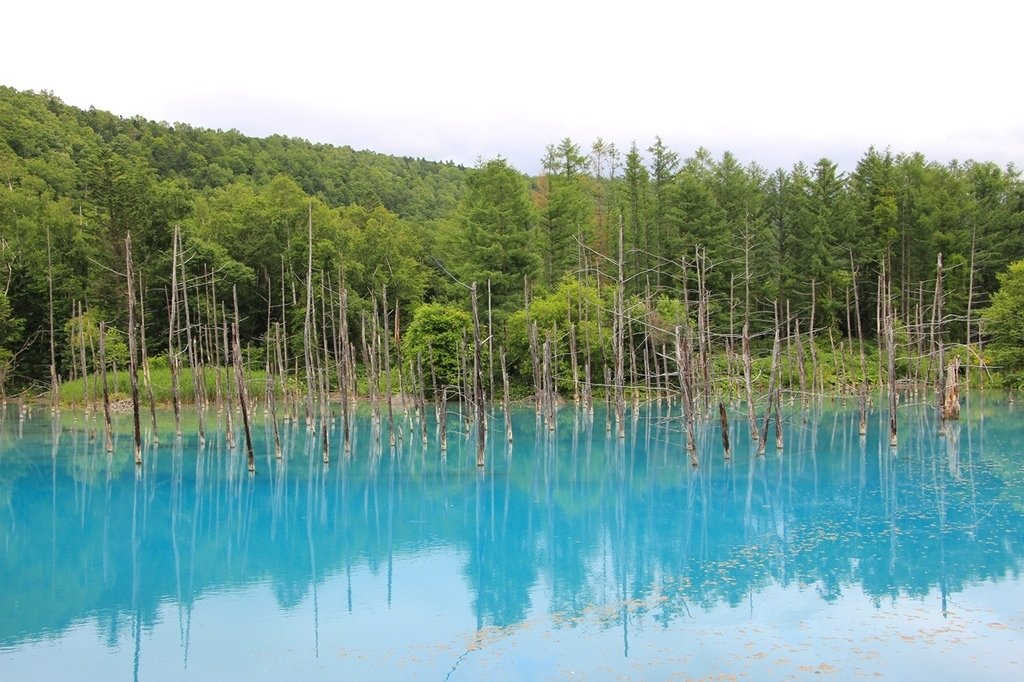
774,81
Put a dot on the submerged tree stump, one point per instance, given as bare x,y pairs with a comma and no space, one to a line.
951,397
726,449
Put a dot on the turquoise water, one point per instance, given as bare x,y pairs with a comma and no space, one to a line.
572,555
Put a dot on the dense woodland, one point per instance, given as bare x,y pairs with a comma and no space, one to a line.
806,248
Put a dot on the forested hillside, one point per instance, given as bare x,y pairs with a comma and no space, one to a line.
75,183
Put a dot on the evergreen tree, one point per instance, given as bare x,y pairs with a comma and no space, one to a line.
664,163
493,240
565,214
635,182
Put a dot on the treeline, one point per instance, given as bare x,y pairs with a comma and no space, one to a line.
74,183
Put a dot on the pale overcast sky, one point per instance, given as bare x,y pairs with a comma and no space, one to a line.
773,81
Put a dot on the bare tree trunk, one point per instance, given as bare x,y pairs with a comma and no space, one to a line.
970,304
423,398
816,378
387,368
890,347
324,381
951,402
800,364
271,392
506,398
465,382
490,343
937,338
96,392
619,334
574,363
433,385
588,382
726,449
369,362
703,327
778,419
108,427
549,385
776,347
133,368
197,387
478,389
746,337
343,374
172,355
685,368
538,383
396,336
307,323
634,383
730,346
751,417
442,424
880,325
86,393
863,425
607,399
54,379
243,395
146,377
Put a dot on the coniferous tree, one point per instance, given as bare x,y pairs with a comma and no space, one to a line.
493,240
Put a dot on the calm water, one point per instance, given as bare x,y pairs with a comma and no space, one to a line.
572,555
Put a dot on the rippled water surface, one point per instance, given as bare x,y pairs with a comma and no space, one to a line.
572,554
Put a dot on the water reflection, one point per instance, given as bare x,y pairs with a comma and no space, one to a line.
572,522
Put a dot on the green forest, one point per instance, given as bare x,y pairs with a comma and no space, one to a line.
808,248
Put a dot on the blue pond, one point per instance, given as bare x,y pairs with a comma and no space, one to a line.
570,555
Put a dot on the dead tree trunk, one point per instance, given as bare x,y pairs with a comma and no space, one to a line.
548,388
778,419
726,449
387,368
442,424
343,374
193,357
478,389
776,347
422,398
574,363
86,392
863,425
816,378
618,334
703,327
324,380
538,383
890,347
172,355
506,398
951,401
147,378
490,343
747,382
269,368
229,392
108,427
937,338
684,367
133,367
307,322
243,394
54,379
970,304
801,364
